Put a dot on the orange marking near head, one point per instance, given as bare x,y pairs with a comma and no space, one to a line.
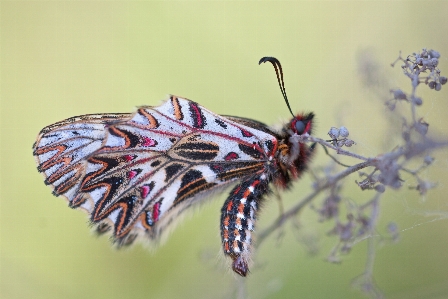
283,149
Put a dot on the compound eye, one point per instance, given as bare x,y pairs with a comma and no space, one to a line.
300,127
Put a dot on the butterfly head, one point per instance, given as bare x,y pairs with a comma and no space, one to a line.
302,124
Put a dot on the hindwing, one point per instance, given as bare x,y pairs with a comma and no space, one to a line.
136,172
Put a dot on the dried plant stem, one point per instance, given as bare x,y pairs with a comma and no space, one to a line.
321,187
337,149
366,280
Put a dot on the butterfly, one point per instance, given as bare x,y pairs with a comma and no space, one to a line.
135,173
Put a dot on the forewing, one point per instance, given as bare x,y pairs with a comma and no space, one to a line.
255,124
136,173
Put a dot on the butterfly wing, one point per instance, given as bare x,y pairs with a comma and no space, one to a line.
62,149
136,173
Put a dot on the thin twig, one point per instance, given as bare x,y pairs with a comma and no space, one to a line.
295,209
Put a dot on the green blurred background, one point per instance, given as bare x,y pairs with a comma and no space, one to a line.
66,58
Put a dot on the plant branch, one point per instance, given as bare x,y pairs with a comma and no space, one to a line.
321,187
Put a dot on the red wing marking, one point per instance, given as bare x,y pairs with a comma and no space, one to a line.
144,191
149,142
231,156
156,211
129,158
246,133
198,117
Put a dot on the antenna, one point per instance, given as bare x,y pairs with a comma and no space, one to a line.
278,69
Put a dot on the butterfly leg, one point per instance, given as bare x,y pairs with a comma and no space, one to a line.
238,216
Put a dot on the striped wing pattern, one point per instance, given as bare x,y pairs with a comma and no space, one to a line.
134,173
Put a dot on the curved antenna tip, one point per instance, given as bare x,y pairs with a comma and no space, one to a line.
279,73
268,58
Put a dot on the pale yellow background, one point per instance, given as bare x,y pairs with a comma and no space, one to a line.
66,58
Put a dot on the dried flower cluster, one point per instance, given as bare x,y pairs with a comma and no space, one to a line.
339,137
381,172
420,68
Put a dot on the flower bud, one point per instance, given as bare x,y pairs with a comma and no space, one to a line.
428,160
380,188
434,61
340,143
434,54
343,131
349,142
417,101
422,127
334,133
399,94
